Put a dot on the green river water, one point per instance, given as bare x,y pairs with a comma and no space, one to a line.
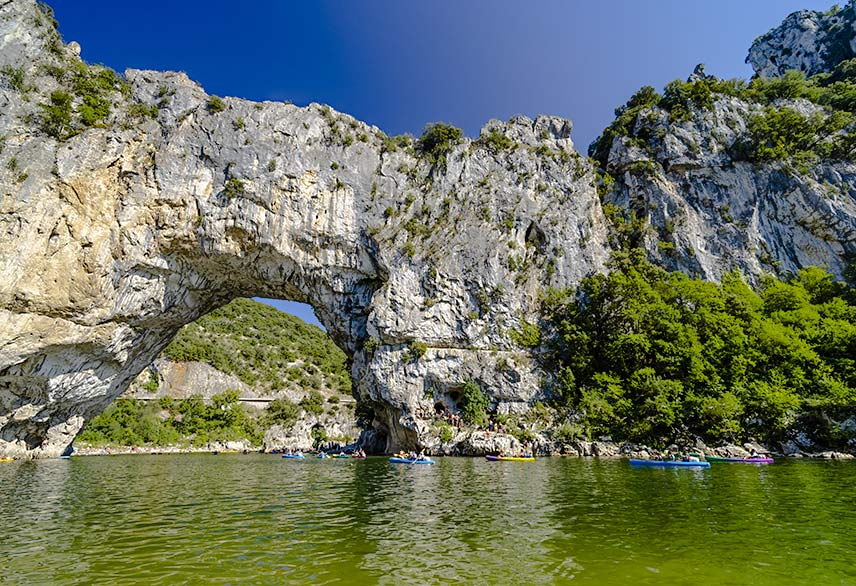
259,519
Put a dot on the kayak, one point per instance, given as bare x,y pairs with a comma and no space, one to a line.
764,460
7,459
358,457
509,458
340,456
293,456
396,460
669,463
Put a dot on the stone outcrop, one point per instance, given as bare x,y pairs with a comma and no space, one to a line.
118,233
709,212
807,41
181,380
118,228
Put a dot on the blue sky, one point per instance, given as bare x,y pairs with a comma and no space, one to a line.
402,64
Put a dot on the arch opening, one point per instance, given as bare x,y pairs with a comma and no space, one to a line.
245,376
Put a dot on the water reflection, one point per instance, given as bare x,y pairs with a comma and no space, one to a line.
235,519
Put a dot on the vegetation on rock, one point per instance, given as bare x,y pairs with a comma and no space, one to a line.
263,347
437,141
781,131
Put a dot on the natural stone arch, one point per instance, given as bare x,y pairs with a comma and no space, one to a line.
120,235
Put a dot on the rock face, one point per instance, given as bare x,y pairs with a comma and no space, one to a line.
807,41
132,207
708,213
117,233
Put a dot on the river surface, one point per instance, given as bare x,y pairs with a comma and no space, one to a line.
259,519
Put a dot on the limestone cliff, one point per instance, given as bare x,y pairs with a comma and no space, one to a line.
119,228
132,206
808,41
705,210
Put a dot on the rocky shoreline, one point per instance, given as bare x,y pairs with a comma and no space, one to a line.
481,443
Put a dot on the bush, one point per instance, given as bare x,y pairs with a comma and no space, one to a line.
371,344
474,404
93,109
15,77
313,403
495,141
215,105
785,133
283,412
437,141
447,433
527,336
56,116
417,350
679,97
233,188
645,355
625,117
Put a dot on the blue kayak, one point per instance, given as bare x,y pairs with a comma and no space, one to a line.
293,457
669,463
395,460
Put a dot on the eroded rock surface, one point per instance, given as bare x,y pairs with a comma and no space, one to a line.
114,235
118,228
807,41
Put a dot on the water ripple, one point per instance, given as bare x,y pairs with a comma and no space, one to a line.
234,519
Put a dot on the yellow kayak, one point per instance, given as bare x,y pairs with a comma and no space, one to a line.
7,459
509,458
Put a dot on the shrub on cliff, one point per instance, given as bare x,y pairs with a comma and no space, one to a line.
56,115
313,403
437,141
215,105
474,404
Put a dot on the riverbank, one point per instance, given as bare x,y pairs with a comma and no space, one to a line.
480,444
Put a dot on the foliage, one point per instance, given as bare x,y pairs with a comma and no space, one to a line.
215,104
780,132
233,188
646,355
15,77
371,344
131,422
437,141
313,403
263,347
93,109
785,133
625,118
283,412
417,350
527,336
474,404
90,88
496,141
679,97
56,115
